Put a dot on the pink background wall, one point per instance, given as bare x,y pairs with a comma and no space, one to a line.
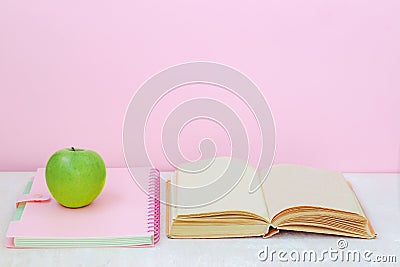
329,69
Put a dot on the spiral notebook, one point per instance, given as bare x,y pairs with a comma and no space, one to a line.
122,215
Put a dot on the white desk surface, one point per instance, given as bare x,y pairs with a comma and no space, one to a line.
378,193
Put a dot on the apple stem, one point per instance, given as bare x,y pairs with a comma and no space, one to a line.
73,149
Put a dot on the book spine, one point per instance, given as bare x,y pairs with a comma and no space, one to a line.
153,210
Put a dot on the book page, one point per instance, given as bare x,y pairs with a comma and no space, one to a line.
293,185
237,199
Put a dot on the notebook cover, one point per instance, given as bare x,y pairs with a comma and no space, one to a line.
121,210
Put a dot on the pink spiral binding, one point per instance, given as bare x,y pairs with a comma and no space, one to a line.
153,209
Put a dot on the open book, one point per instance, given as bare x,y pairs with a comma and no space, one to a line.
292,197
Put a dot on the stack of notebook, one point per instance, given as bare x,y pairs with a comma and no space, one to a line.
122,215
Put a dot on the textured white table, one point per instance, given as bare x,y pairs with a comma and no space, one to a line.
378,193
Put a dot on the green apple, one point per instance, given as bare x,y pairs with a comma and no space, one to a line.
75,177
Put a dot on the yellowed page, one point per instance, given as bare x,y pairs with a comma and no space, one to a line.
294,185
239,199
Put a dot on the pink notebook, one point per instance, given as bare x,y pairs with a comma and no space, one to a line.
122,215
